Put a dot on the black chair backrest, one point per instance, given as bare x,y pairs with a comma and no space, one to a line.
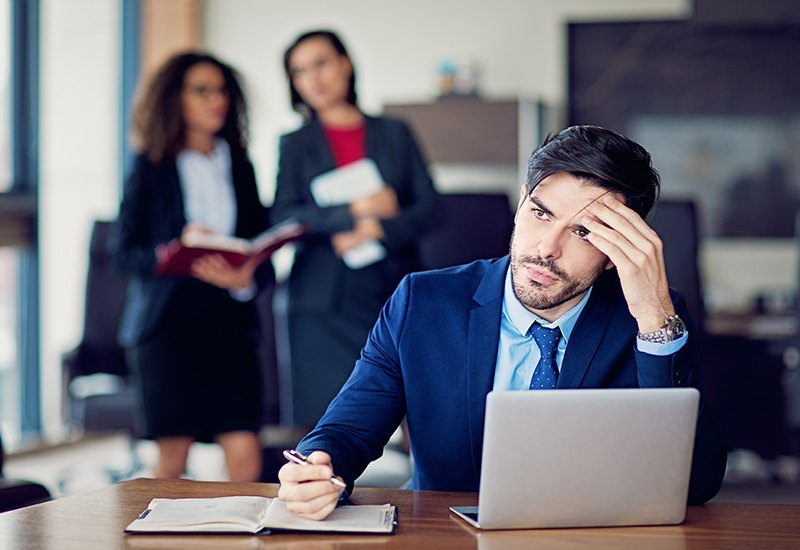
105,298
267,353
470,227
677,224
797,249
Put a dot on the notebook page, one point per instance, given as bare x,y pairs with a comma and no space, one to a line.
238,513
360,518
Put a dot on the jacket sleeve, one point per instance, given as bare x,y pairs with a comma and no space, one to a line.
293,198
418,213
362,417
132,246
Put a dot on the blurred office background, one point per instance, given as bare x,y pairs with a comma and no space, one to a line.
709,86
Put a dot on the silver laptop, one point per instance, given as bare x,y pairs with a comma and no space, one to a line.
581,458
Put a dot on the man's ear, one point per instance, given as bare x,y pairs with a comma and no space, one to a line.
609,264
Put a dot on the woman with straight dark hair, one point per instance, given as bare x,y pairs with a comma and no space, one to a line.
333,304
192,340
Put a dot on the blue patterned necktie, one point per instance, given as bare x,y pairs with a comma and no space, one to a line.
545,375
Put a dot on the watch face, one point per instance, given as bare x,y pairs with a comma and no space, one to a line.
676,328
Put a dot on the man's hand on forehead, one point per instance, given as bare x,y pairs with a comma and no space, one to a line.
583,209
637,252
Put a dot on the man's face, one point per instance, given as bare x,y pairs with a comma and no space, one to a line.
552,264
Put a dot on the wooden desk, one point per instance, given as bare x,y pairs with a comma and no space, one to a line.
95,521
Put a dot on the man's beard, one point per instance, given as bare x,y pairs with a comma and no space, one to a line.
540,300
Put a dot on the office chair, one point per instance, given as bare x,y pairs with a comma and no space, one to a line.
275,437
749,403
98,393
18,493
268,356
677,224
791,360
469,227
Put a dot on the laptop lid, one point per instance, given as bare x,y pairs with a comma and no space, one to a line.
580,458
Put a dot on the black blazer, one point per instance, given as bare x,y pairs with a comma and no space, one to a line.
305,154
152,213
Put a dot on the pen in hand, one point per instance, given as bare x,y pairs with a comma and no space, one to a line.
300,458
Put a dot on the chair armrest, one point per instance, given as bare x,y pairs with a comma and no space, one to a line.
17,493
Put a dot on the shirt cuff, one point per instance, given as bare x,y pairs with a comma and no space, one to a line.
654,348
244,294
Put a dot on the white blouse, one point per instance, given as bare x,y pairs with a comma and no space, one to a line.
208,195
207,187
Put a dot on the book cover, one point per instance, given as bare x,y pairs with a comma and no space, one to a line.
252,514
176,257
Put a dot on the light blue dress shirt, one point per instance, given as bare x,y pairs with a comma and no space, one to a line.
517,352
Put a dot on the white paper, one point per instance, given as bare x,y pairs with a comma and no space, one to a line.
367,253
346,184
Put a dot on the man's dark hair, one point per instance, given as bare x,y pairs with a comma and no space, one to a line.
601,156
159,129
297,102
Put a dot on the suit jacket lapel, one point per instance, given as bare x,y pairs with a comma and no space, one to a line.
239,181
585,338
484,333
373,141
320,157
174,191
376,150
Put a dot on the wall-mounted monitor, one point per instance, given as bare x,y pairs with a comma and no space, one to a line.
717,105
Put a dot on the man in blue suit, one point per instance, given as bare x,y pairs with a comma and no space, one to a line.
584,269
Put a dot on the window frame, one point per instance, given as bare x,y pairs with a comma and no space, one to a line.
18,205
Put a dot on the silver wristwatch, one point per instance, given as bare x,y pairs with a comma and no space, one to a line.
672,329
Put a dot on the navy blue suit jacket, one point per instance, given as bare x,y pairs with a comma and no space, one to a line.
152,213
432,354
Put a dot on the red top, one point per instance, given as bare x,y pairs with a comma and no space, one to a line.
347,144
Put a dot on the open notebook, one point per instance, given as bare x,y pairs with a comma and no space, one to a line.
252,514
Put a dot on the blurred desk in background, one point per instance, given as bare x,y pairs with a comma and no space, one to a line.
748,365
778,327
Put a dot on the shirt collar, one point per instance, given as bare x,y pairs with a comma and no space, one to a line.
522,319
218,154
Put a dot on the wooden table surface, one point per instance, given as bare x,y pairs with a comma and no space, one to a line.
95,521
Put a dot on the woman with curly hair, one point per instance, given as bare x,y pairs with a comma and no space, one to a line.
192,340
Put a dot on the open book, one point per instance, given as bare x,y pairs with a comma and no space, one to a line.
176,257
344,185
250,514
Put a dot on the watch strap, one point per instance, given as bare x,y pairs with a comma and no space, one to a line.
663,335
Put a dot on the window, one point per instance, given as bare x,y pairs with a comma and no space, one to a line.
9,373
19,275
5,96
